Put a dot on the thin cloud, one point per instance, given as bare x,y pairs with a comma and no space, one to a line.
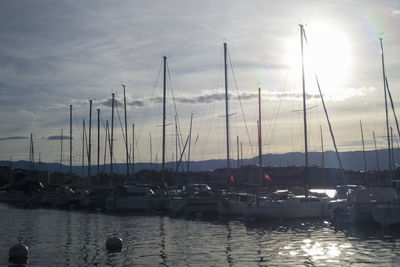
13,138
57,137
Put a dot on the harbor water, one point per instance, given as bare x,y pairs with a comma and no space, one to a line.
76,238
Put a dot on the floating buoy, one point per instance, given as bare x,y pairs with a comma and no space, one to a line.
114,243
19,253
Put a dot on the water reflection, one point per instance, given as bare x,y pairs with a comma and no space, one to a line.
62,238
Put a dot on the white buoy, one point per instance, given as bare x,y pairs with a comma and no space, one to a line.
114,243
19,252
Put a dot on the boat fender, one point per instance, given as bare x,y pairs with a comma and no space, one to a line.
19,253
114,243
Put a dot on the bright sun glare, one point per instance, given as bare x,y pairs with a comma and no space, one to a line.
327,53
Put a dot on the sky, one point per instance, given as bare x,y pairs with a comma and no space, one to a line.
54,54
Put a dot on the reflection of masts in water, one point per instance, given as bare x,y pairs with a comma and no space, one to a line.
376,152
163,255
386,108
362,139
228,250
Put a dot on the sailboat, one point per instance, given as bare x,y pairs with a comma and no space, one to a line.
289,205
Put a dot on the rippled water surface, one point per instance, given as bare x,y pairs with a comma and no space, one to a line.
74,238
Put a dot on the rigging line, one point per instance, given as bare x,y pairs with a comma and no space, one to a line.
391,102
144,118
326,112
241,107
175,108
120,124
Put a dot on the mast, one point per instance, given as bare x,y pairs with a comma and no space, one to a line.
31,154
70,140
392,150
133,150
226,111
126,137
61,154
304,98
176,142
259,139
112,133
90,137
237,149
386,108
83,148
151,154
105,145
190,141
322,147
98,141
241,152
362,138
376,152
163,125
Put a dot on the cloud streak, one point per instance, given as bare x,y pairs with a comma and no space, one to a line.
57,137
13,138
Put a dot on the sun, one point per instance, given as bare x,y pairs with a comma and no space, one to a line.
327,53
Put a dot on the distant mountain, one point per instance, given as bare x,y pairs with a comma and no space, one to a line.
351,160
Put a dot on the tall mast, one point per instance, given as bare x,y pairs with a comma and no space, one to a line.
241,153
362,138
376,152
163,125
98,141
112,133
386,108
151,154
392,150
237,149
190,141
259,139
70,140
133,150
61,153
90,137
304,98
226,111
126,137
83,148
107,136
176,142
322,147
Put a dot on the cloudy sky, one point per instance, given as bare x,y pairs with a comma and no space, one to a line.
59,53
